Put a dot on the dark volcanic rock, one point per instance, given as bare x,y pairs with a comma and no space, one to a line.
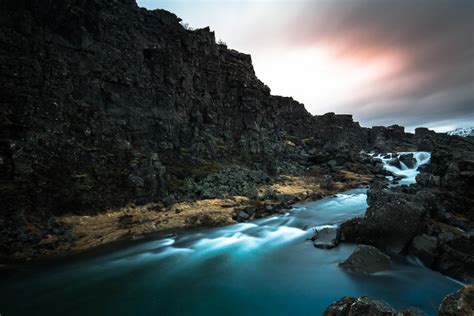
395,162
425,248
408,159
366,260
327,238
425,145
392,220
460,303
104,103
364,306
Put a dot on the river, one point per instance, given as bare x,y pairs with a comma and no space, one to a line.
263,267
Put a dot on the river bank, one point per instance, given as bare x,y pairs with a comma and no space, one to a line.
243,267
79,233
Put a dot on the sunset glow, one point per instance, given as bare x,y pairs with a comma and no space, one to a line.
385,62
321,77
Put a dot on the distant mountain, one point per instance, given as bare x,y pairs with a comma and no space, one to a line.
463,132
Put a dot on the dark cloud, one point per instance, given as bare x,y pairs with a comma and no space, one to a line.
435,38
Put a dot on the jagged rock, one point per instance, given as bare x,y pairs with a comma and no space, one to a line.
460,303
408,159
425,145
456,255
326,238
395,162
392,220
243,216
350,230
363,306
366,260
230,181
425,248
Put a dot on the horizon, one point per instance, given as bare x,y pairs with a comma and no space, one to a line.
421,66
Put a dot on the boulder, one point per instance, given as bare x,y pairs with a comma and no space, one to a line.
460,303
363,306
242,216
395,162
408,159
350,230
327,238
456,255
392,219
425,248
366,260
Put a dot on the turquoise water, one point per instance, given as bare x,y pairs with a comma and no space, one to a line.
264,267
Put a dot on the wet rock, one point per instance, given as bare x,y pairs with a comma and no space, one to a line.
392,219
395,162
364,306
408,159
460,303
456,255
425,248
350,230
326,238
366,260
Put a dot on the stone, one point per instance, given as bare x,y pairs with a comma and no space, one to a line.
424,247
364,306
395,162
460,303
326,238
126,220
366,260
243,216
408,159
392,220
425,145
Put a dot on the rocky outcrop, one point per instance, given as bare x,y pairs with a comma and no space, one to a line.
459,303
433,219
362,306
425,248
391,221
366,260
105,104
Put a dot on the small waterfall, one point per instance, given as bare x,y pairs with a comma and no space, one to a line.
391,160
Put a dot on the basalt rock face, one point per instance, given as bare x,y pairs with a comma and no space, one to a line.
103,103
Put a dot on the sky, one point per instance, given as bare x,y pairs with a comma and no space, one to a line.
406,62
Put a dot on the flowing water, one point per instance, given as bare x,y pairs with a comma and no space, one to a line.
264,267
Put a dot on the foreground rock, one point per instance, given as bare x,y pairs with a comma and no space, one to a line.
364,306
425,248
460,303
366,260
391,221
327,238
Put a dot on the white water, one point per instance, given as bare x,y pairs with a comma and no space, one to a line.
409,174
264,267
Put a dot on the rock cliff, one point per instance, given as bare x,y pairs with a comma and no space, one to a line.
105,103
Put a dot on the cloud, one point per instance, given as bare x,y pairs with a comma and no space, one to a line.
385,61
